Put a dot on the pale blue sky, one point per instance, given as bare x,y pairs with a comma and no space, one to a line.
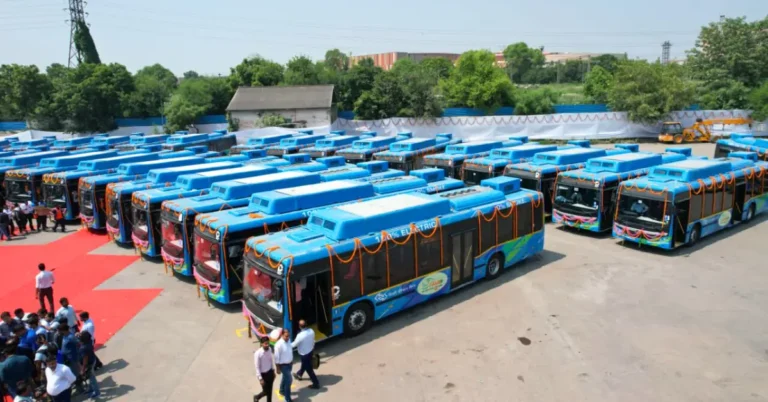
211,36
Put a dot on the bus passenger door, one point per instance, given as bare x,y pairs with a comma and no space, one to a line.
312,301
741,198
462,257
680,222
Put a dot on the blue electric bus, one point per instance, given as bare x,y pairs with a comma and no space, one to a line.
112,141
540,173
21,160
146,205
476,170
452,160
263,142
363,150
353,264
163,174
409,155
92,189
679,203
23,145
294,144
316,165
216,141
586,198
71,144
329,146
141,141
363,171
270,211
742,142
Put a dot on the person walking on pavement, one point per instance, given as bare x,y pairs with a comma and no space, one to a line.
284,360
305,345
44,286
265,370
58,218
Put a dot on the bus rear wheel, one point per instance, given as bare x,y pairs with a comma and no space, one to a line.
494,267
695,235
678,139
358,319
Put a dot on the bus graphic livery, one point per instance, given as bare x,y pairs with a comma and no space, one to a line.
681,202
478,169
742,142
364,171
138,142
354,264
277,210
363,150
216,141
92,189
293,145
316,165
586,198
540,173
178,216
146,205
329,146
452,160
119,195
409,155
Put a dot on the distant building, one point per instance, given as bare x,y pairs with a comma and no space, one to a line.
557,57
387,60
305,105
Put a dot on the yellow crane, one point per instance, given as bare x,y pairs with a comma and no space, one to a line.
673,131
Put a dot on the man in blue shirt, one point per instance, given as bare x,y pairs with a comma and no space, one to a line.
15,369
70,349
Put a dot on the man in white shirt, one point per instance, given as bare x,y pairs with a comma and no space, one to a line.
89,327
59,379
305,345
44,286
284,360
29,214
264,361
68,312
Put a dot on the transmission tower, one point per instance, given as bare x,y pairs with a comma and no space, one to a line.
665,47
76,16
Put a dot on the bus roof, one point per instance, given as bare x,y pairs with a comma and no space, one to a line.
75,159
112,140
301,140
337,141
310,196
204,180
141,168
31,158
622,166
115,161
268,139
169,174
73,142
186,138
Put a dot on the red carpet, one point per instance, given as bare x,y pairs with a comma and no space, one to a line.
77,274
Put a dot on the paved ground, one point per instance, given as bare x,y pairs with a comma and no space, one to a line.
587,320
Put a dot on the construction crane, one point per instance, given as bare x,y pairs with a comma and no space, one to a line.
701,131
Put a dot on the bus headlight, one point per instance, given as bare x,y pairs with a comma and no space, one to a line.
280,269
180,218
218,235
538,175
597,183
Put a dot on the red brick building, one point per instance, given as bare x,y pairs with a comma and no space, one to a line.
387,60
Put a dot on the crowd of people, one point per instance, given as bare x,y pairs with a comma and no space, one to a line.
47,355
19,218
279,361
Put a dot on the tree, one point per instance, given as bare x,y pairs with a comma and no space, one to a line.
191,101
649,91
85,44
51,112
256,72
300,70
476,82
437,67
758,102
598,85
359,79
336,60
22,88
384,100
190,74
272,120
536,101
520,59
608,62
154,86
723,93
221,94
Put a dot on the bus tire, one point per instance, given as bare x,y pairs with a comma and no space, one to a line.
750,213
495,266
695,235
358,319
678,139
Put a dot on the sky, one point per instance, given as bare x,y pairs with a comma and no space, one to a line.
211,36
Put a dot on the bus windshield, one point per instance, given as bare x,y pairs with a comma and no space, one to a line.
18,190
641,213
207,258
263,290
114,209
55,194
173,240
140,225
578,200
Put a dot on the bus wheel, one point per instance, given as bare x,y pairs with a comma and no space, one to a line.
750,213
695,235
358,319
494,267
678,139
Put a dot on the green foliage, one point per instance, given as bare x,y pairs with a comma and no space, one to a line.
195,98
190,74
359,79
85,44
520,59
536,101
384,100
723,93
437,67
255,72
300,70
154,86
233,124
22,88
336,60
272,120
181,112
758,102
476,82
598,84
649,91
608,62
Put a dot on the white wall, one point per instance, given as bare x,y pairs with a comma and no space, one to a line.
313,117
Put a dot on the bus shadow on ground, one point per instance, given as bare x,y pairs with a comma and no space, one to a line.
385,326
711,239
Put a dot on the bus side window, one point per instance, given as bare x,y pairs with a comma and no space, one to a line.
695,207
401,267
538,217
728,197
609,197
524,219
506,228
708,202
346,276
429,253
488,230
374,271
